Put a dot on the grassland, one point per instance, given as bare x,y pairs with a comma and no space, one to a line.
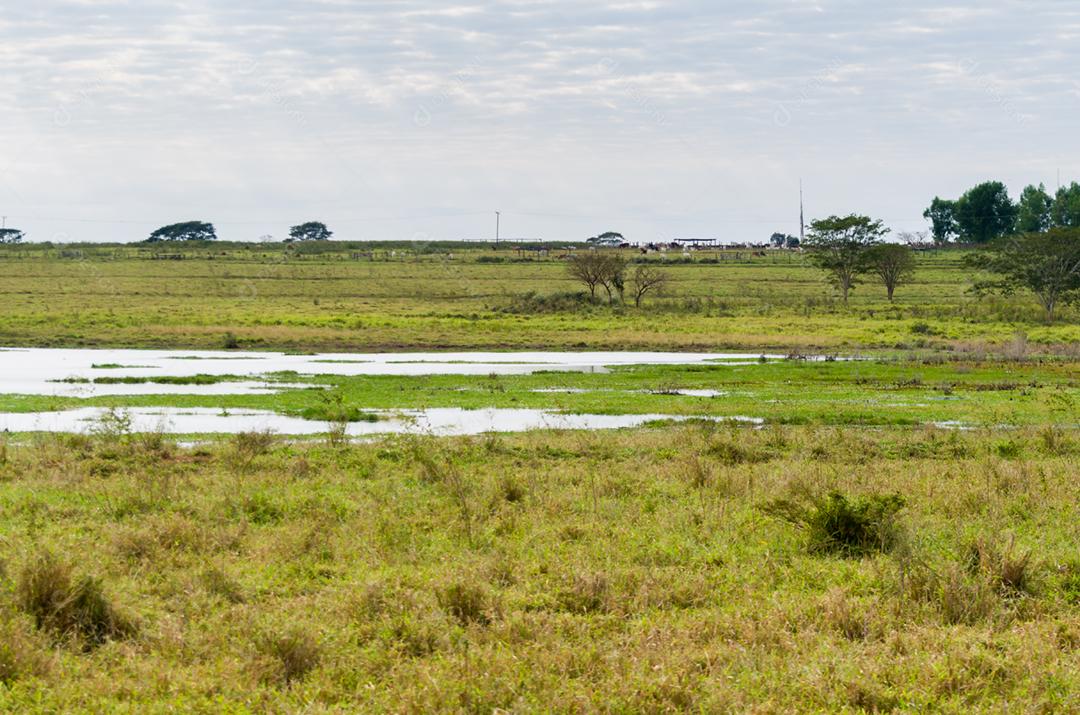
694,567
627,572
342,297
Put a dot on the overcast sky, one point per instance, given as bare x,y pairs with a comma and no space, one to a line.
415,119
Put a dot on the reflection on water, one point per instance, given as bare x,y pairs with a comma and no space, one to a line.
35,371
439,421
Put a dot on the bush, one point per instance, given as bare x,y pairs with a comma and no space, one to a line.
249,445
292,656
220,584
836,525
1007,572
466,602
69,607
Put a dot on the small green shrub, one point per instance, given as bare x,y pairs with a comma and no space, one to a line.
69,607
219,583
292,655
1007,572
466,602
835,524
249,445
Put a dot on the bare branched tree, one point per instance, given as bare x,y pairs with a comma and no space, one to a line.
647,279
596,269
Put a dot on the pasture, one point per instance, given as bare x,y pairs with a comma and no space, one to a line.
332,297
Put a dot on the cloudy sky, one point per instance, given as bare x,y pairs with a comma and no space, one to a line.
417,119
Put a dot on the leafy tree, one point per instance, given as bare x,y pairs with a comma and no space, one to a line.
311,231
942,218
186,231
1047,264
11,235
1033,213
892,263
647,279
985,213
783,240
1065,212
838,245
613,277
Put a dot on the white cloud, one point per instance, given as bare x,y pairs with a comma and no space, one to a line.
247,112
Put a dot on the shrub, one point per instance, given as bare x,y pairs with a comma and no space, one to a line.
253,444
218,583
466,602
836,525
1006,571
229,341
511,489
292,656
69,607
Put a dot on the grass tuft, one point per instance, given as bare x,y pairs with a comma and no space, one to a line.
835,524
67,606
289,656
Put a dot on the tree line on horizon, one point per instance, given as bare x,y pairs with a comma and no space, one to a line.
986,212
203,231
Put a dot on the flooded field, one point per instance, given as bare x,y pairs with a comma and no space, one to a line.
87,374
443,422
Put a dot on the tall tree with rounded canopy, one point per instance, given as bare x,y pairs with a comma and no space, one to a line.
985,213
310,231
1033,213
838,245
11,235
1065,212
185,231
1047,264
942,218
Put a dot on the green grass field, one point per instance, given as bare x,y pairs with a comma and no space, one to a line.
900,534
439,298
635,571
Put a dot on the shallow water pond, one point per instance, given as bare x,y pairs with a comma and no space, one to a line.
437,421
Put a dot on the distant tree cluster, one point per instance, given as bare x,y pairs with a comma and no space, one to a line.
607,270
203,231
985,213
783,240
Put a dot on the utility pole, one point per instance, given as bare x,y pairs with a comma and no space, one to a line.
802,217
498,216
5,223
